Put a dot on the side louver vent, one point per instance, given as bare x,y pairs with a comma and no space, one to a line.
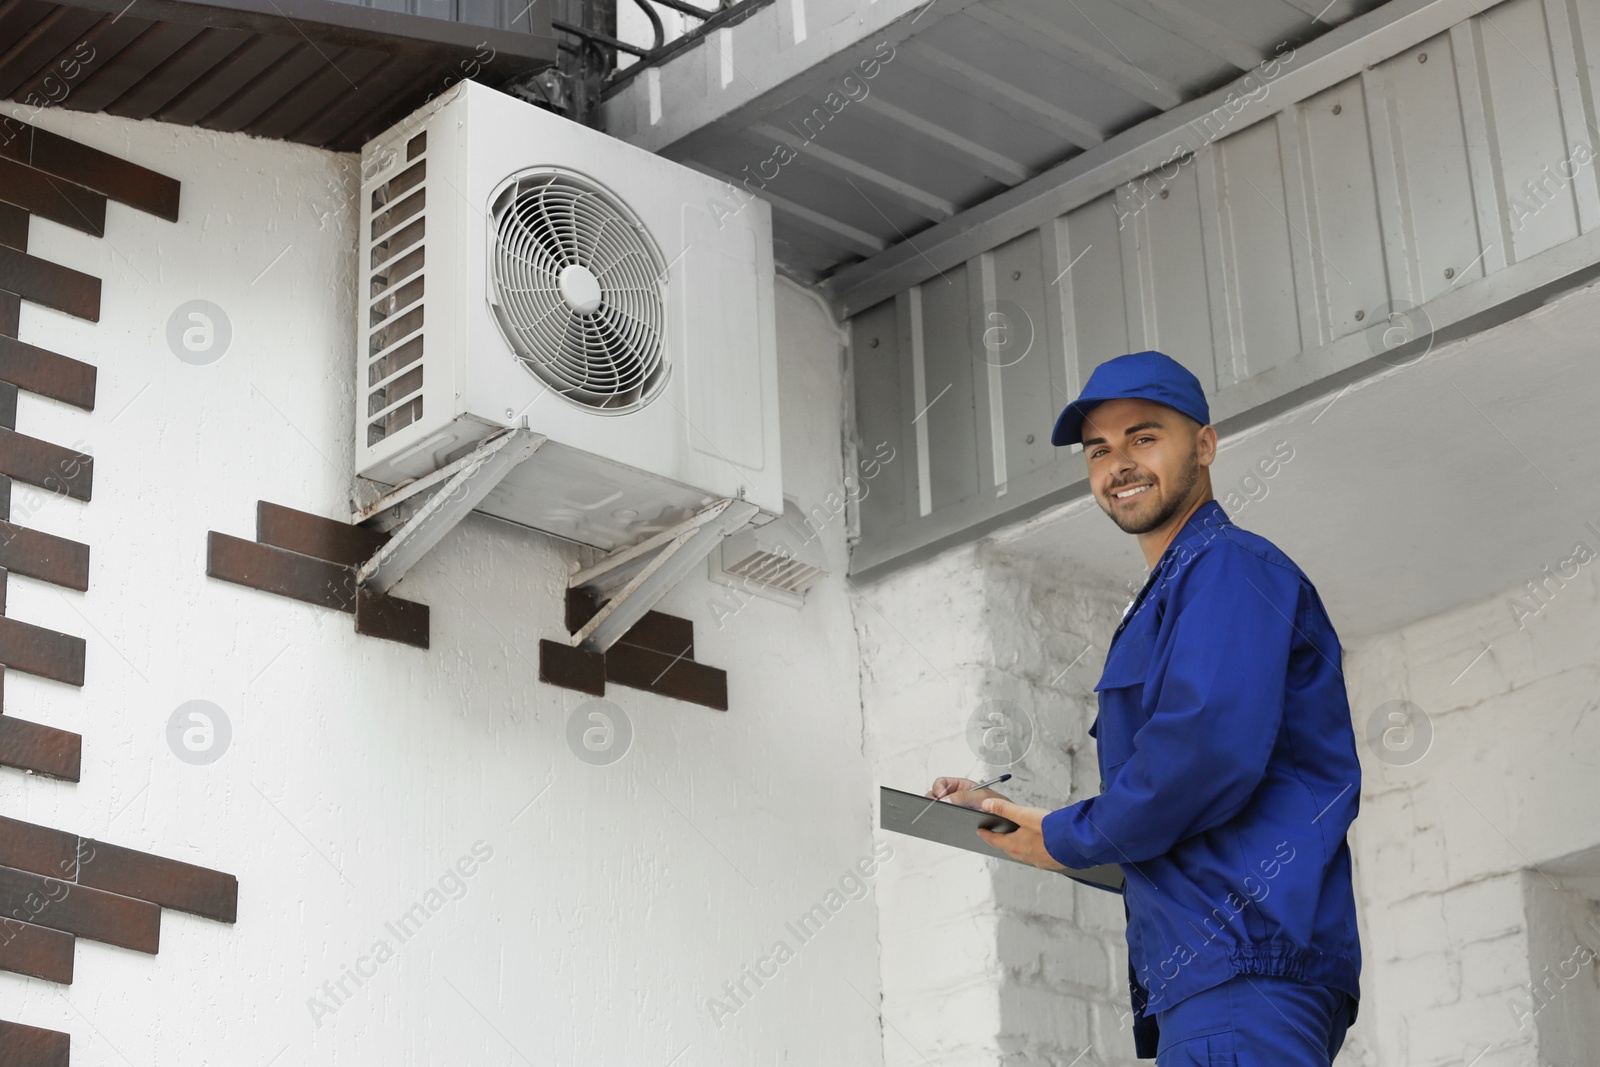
395,290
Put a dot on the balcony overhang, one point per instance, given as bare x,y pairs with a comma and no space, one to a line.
313,72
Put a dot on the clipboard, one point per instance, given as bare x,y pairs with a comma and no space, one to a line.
956,826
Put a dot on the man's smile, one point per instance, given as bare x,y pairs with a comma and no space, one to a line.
1131,491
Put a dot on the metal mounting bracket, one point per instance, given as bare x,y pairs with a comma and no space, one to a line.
646,578
465,482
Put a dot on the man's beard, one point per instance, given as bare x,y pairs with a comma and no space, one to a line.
1134,523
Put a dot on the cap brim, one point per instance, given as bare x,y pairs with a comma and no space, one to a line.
1069,424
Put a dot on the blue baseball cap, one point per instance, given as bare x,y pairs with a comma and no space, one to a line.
1140,375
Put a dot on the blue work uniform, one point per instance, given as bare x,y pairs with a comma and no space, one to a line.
1229,779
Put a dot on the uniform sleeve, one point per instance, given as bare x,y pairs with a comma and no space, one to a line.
1217,709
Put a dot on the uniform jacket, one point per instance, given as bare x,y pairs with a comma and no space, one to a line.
1229,776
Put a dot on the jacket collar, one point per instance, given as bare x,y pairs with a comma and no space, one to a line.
1201,526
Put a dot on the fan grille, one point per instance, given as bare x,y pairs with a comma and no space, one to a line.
578,290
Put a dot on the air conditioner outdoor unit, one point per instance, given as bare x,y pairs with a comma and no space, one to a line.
520,269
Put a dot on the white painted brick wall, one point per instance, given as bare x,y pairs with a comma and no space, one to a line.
1447,847
613,907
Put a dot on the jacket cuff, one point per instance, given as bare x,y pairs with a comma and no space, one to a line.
1056,829
1146,1038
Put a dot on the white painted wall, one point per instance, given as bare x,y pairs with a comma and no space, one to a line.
1476,864
605,905
985,961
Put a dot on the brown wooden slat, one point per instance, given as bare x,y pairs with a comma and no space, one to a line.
657,672
22,50
581,605
10,313
19,16
28,846
44,556
277,570
13,224
389,617
572,668
8,405
106,174
50,284
217,87
170,883
47,373
41,45
31,1046
314,535
385,108
352,109
47,465
166,81
37,951
28,746
104,41
5,513
290,71
133,65
660,632
52,198
529,47
329,83
46,653
80,910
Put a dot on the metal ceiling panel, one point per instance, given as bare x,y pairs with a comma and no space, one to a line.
959,101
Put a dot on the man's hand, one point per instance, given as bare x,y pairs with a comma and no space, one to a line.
1026,842
960,791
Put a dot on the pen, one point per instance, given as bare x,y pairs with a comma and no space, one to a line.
986,785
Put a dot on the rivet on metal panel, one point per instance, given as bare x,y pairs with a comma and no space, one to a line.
1422,57
1360,315
1449,272
1338,108
1016,275
1028,439
872,343
1165,193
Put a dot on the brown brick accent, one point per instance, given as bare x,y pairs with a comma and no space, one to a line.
656,655
30,1046
50,284
77,909
315,559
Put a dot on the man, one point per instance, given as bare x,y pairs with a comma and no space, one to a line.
1227,758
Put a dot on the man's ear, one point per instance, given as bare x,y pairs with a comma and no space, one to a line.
1206,445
